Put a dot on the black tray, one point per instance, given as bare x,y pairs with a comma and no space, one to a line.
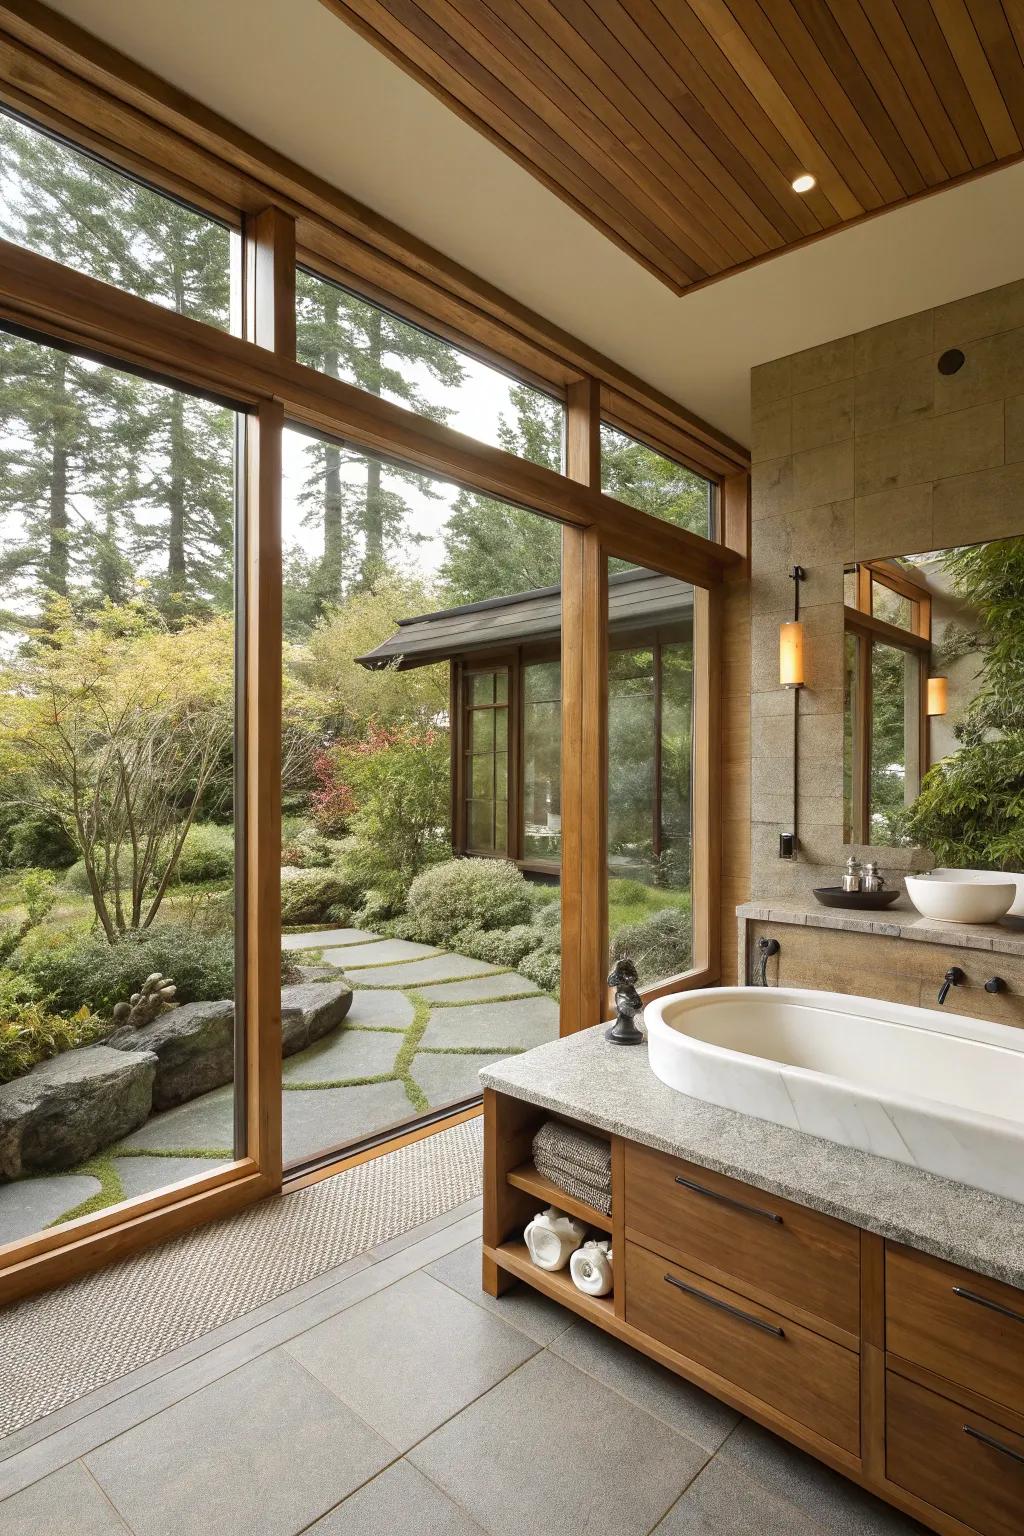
863,901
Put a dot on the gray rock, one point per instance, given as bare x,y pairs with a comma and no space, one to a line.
194,1046
64,1110
311,1010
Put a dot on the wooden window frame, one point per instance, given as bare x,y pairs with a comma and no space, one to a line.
859,620
57,76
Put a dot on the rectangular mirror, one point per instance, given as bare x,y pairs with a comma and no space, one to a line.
934,704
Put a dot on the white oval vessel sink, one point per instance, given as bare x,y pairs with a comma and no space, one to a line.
942,1093
948,898
988,877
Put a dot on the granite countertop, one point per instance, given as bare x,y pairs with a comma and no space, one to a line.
900,921
613,1088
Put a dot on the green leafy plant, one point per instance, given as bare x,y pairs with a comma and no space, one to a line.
659,946
94,974
308,895
399,779
970,811
30,1033
468,893
207,854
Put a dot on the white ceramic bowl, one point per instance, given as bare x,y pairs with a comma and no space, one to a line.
988,877
951,900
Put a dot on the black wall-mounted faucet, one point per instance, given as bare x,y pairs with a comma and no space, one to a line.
767,949
954,977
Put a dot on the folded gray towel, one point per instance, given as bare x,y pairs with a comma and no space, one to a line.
566,1144
578,1163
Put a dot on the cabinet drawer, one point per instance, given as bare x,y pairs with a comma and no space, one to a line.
788,1367
957,1324
954,1459
778,1248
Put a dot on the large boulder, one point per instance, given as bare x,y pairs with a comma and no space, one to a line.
194,1046
310,1010
64,1110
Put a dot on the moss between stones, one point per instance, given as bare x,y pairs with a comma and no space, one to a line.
110,1192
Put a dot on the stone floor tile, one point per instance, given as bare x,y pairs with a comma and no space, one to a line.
409,1357
400,1502
537,1316
379,952
479,989
445,1079
139,1175
344,1053
320,1118
485,1026
667,1396
380,1010
437,968
837,1506
200,1125
324,936
262,1452
723,1501
67,1503
28,1205
551,1451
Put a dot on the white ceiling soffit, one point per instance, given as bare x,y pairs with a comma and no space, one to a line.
286,71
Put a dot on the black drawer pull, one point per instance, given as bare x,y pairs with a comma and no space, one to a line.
993,1445
723,1306
737,1205
993,1306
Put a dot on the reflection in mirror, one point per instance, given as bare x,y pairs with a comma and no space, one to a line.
933,742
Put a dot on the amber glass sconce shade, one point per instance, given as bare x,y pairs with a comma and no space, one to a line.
938,695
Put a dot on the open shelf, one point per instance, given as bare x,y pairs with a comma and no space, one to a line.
527,1177
556,1283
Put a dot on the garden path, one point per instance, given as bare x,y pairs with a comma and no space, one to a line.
422,1023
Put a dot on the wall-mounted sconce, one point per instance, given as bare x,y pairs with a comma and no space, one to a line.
938,695
791,654
791,675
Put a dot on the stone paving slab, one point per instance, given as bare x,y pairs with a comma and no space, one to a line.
346,1053
493,1026
444,1079
139,1175
439,968
201,1123
322,936
479,989
28,1205
379,952
321,1118
380,1010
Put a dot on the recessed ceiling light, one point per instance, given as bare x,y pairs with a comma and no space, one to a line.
804,183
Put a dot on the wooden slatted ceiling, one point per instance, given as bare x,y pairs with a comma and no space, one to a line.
678,126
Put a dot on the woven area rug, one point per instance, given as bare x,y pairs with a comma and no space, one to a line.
58,1346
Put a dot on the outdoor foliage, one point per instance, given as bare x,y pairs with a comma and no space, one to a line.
89,972
309,895
468,894
30,1033
118,729
207,854
970,811
399,781
660,945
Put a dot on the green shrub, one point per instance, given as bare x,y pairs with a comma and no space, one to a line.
497,946
633,892
659,946
543,966
468,893
207,854
309,896
399,778
30,1034
90,973
36,840
304,848
37,895
375,911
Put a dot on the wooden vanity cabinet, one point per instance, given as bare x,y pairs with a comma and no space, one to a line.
901,1371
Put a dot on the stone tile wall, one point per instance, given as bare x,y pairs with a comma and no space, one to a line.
862,449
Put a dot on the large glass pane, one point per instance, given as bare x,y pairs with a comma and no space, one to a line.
66,205
542,760
411,607
895,737
650,773
339,333
656,484
892,606
117,799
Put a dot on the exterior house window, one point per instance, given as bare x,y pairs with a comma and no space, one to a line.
486,777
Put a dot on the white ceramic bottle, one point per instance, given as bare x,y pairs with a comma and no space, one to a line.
591,1268
551,1237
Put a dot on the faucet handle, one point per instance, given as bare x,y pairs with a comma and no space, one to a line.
995,984
954,977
